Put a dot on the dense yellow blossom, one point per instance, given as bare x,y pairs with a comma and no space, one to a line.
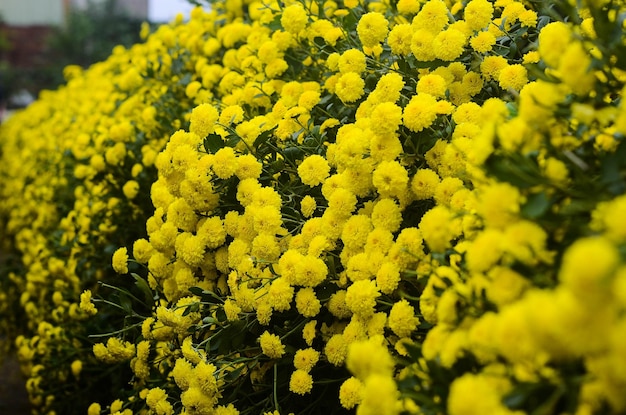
345,204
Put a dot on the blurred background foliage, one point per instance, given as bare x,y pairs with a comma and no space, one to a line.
88,36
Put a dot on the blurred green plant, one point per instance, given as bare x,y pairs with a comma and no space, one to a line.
87,37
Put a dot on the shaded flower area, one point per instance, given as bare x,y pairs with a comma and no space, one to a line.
397,207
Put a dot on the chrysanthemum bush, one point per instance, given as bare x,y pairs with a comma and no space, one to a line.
310,207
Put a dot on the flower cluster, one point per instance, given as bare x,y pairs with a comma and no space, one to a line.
342,206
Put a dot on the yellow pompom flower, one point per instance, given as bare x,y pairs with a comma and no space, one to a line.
301,382
224,163
350,87
361,298
483,42
94,409
203,119
432,84
294,19
182,373
308,206
491,66
424,183
351,392
307,303
419,112
76,367
305,359
372,29
309,99
265,246
433,17
575,69
192,89
585,277
195,401
449,44
422,44
130,189
386,215
233,114
553,40
204,377
352,60
408,6
308,332
120,260
280,294
513,77
386,118
313,170
388,277
387,89
402,320
369,357
271,345
310,271
248,167
399,39
380,396
438,228
483,394
478,14
85,303
499,204
231,309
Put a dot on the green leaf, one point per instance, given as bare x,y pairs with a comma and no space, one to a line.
275,24
536,206
192,308
206,296
293,154
349,22
143,286
521,172
212,143
614,170
260,145
276,167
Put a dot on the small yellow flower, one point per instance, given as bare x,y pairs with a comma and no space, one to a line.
301,382
120,260
305,359
77,367
203,119
352,60
449,44
350,87
271,345
361,298
351,392
419,112
308,206
313,170
513,77
94,409
478,14
131,189
399,39
85,303
308,332
372,29
307,302
483,42
402,319
294,19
